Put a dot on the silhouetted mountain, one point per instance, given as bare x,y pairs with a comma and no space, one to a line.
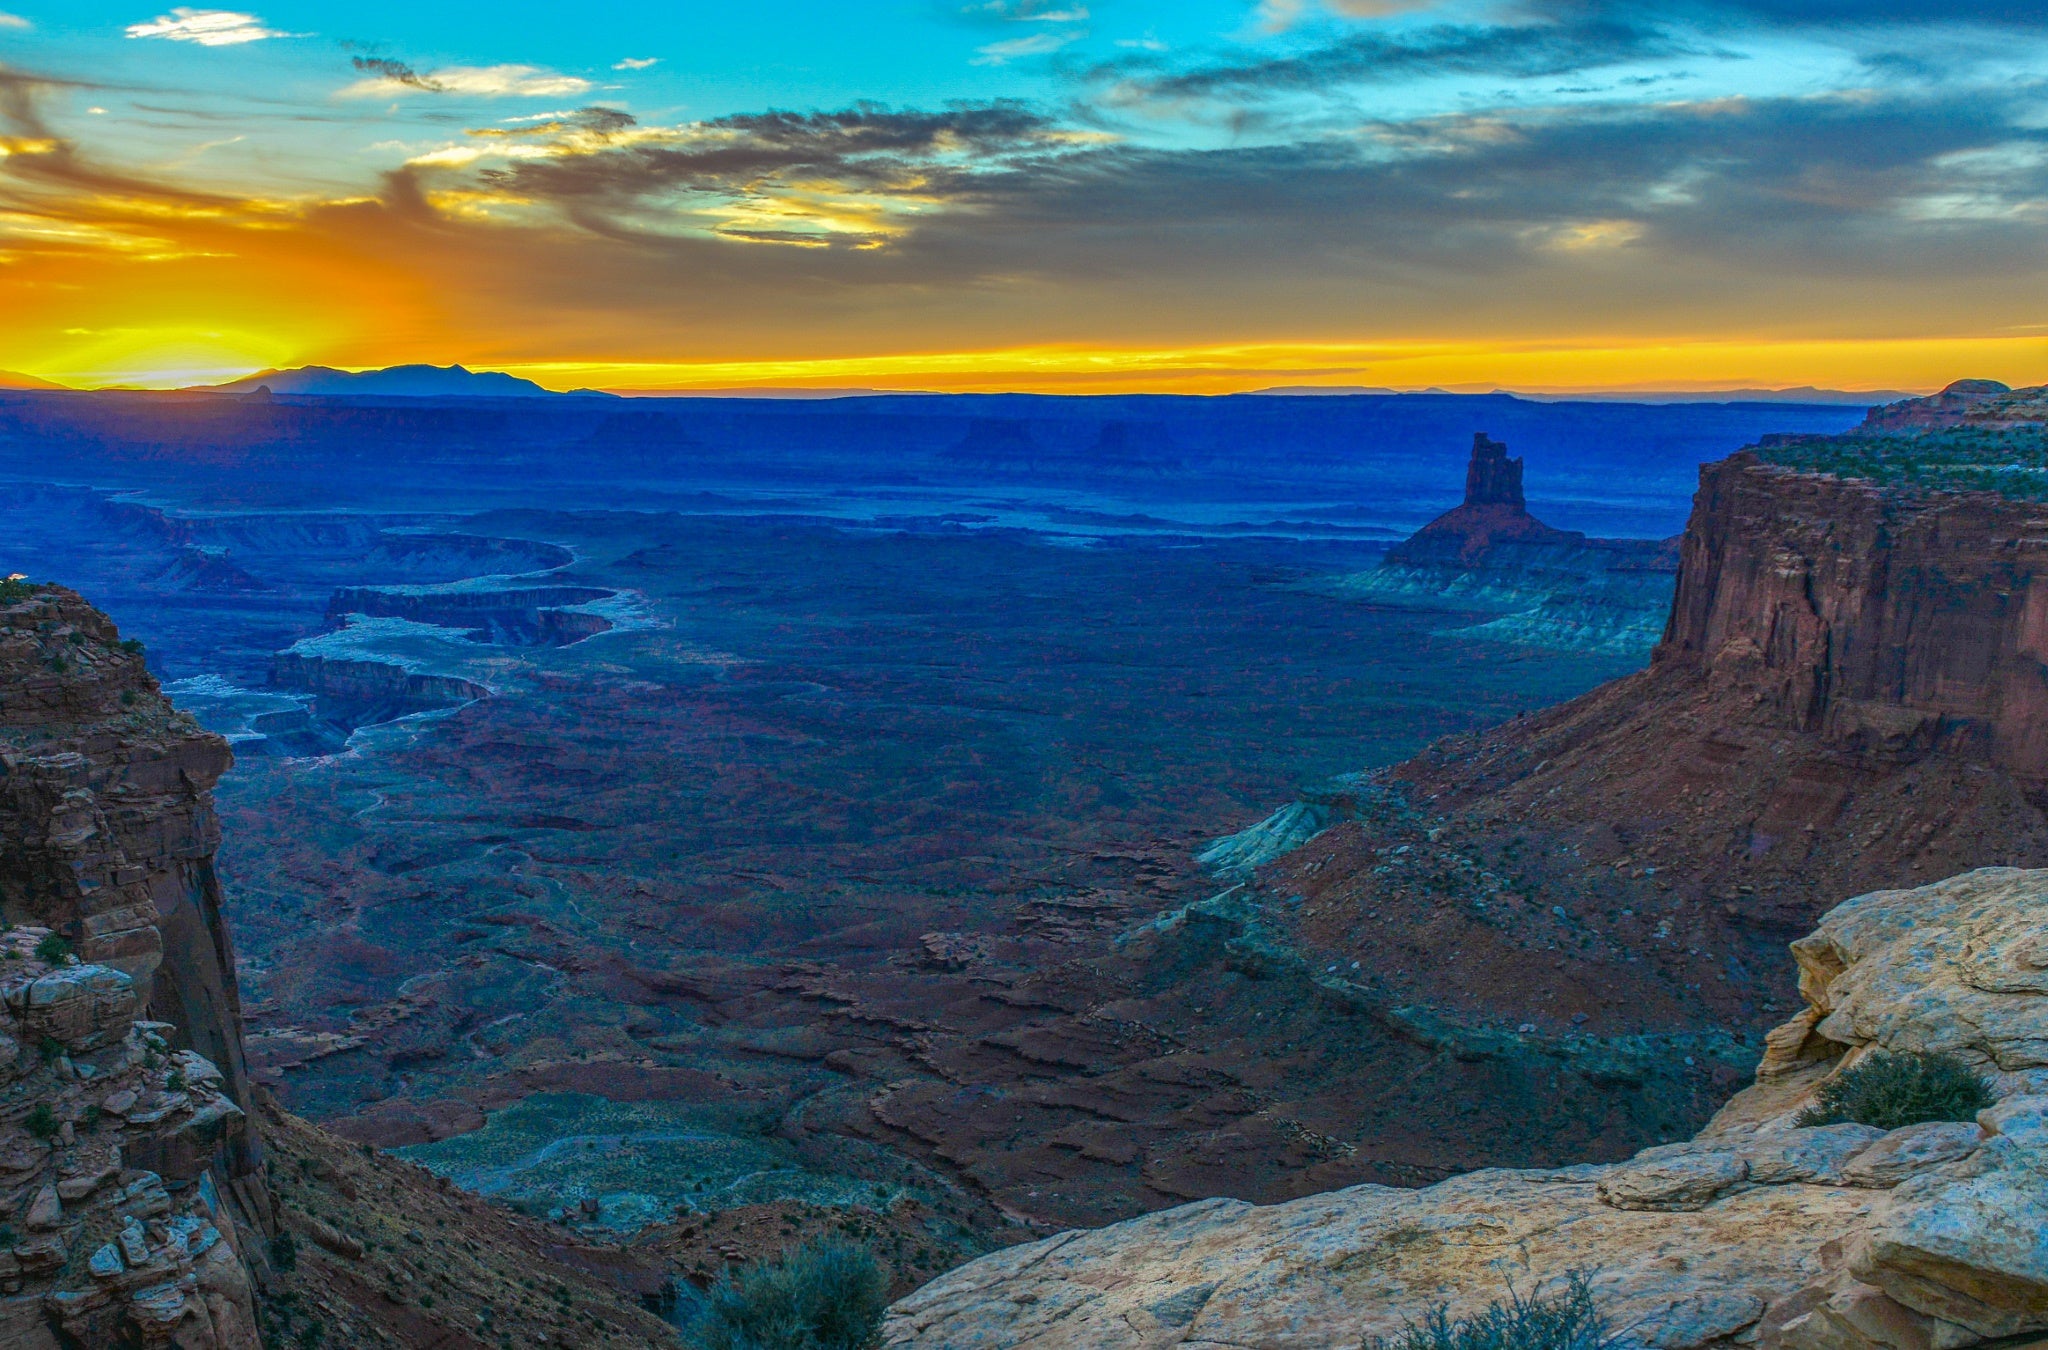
394,381
12,380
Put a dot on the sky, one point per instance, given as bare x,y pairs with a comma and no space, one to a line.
1062,195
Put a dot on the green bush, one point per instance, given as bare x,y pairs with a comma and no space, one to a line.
14,592
826,1295
53,950
284,1251
1888,1091
42,1121
1565,1320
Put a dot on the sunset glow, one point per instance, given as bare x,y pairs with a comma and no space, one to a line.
1200,198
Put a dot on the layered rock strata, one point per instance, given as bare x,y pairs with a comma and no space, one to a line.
1849,695
149,1196
1889,624
133,1181
1759,1231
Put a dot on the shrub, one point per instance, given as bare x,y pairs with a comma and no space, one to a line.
132,646
826,1295
42,1121
284,1251
1888,1091
53,950
1564,1320
51,1049
13,590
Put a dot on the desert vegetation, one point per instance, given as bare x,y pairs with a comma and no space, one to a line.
1566,1318
1891,1091
826,1295
2012,463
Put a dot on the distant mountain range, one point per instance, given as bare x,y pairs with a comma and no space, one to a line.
1855,398
395,382
10,380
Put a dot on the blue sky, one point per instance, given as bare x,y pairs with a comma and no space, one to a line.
1331,186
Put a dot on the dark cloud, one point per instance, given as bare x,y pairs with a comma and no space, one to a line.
46,180
1528,50
398,72
867,147
1803,13
1480,209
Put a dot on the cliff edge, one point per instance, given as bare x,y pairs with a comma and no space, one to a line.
152,1197
1759,1231
130,1169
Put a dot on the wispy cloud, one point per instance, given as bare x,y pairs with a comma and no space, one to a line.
1027,11
206,27
388,78
1013,49
1377,57
637,63
13,20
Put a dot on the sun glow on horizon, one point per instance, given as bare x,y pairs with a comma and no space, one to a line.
174,358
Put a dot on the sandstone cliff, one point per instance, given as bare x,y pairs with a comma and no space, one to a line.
1757,1232
1890,625
152,1197
1849,694
128,1164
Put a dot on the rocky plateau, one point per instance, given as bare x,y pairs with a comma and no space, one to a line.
1757,1232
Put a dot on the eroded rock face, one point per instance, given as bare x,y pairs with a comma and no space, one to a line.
128,1172
1757,1232
1890,623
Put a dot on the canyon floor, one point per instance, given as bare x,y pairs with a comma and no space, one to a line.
798,854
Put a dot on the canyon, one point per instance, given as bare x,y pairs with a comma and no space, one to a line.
1760,1230
683,878
162,1198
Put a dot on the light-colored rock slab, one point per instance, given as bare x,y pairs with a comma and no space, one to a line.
1758,1232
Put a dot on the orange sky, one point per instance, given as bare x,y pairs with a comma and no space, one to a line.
1269,209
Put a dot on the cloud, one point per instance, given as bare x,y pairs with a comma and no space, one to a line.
206,27
637,63
13,21
1375,57
1025,11
385,71
1808,13
1014,49
388,78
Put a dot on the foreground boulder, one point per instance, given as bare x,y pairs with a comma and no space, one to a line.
1756,1232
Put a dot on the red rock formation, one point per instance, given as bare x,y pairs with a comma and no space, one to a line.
1948,408
109,827
138,1210
1890,625
125,1153
1491,478
1851,695
1494,512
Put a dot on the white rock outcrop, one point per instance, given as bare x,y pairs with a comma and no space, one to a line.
1755,1233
